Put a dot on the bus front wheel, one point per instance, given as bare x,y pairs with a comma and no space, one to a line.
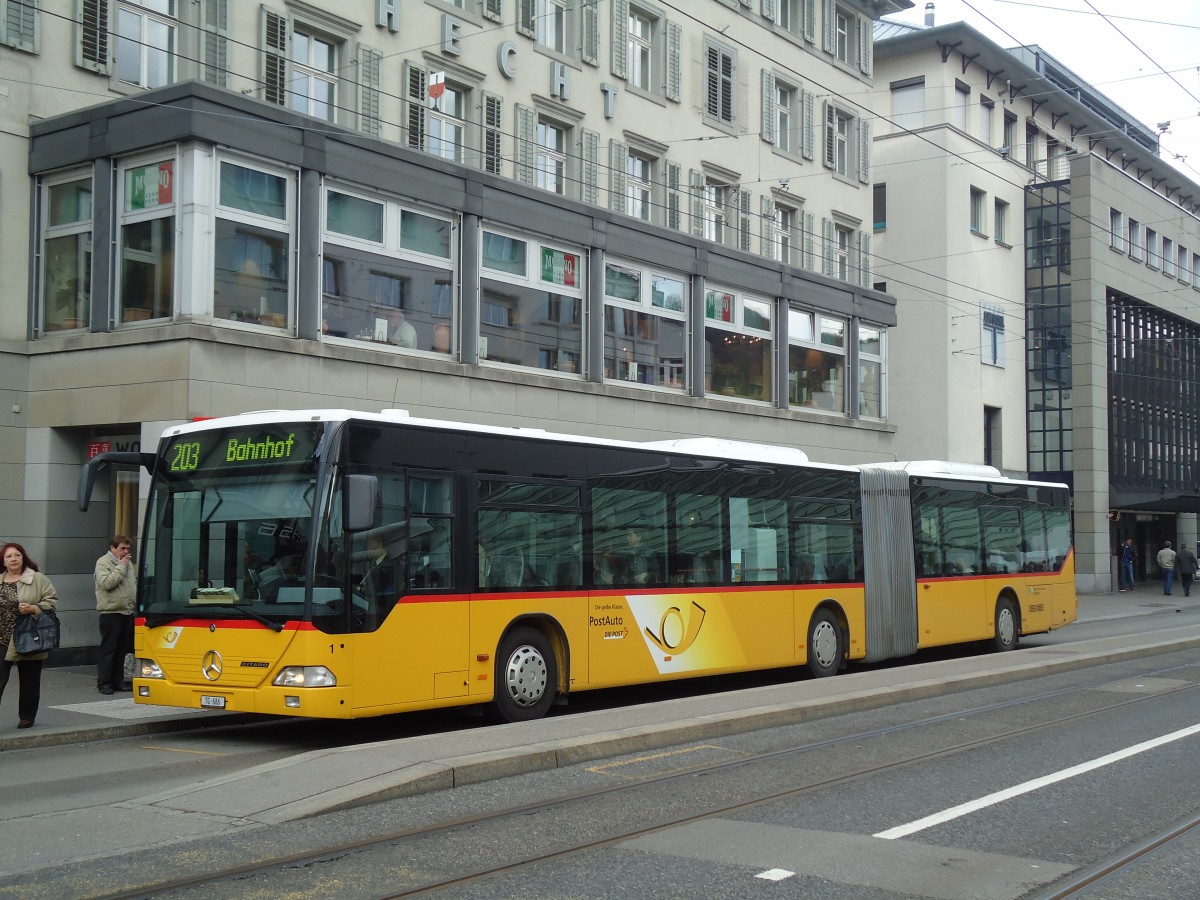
526,677
825,639
1007,636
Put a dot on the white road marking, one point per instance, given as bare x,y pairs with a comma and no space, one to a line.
775,874
1000,796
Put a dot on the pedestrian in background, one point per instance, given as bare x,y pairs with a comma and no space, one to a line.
1166,562
1185,566
1128,564
24,591
116,594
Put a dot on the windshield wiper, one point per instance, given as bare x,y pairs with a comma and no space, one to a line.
154,621
270,623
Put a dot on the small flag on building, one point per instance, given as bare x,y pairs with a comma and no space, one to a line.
437,88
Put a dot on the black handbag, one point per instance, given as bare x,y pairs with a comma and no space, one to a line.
36,634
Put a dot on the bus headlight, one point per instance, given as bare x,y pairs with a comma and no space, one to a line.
305,676
146,668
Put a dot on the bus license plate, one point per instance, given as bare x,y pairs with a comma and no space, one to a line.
212,702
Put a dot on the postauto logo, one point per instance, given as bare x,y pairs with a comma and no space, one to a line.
671,630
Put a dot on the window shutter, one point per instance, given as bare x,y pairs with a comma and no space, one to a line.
809,236
493,9
526,140
768,10
274,40
696,179
864,151
830,128
21,25
828,242
712,78
91,32
743,202
416,87
767,245
370,62
864,259
526,12
214,43
590,150
865,45
810,20
809,112
493,125
620,38
674,42
618,154
830,26
728,80
671,178
767,132
591,32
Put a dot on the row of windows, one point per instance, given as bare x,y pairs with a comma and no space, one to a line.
390,276
683,528
304,66
1127,235
1043,153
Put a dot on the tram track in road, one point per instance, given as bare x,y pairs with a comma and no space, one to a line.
1122,863
313,858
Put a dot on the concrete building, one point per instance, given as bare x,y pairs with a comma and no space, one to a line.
1028,225
636,219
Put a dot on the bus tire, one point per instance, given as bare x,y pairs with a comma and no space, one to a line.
825,644
1007,635
526,677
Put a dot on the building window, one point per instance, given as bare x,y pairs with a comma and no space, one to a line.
312,83
738,346
841,143
962,99
146,266
551,158
639,186
879,206
552,24
388,273
146,35
1000,222
1183,257
870,371
816,361
1031,145
978,219
66,218
789,16
641,50
844,23
720,83
716,196
1116,230
532,296
788,235
1010,133
842,249
447,121
991,436
252,246
1168,257
1135,240
1151,248
987,111
645,326
908,103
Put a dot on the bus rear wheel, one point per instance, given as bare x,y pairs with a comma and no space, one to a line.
1007,637
825,644
526,677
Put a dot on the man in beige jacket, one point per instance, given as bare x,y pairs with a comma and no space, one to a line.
116,595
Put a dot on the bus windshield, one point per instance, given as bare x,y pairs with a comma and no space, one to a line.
229,524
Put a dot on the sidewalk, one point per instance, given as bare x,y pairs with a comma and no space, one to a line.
72,711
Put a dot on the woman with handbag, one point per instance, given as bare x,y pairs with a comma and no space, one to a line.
24,591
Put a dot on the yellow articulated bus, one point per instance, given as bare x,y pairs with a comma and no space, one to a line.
339,564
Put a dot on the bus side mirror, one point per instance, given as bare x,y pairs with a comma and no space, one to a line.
362,492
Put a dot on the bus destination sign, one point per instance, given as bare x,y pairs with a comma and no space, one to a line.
233,448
